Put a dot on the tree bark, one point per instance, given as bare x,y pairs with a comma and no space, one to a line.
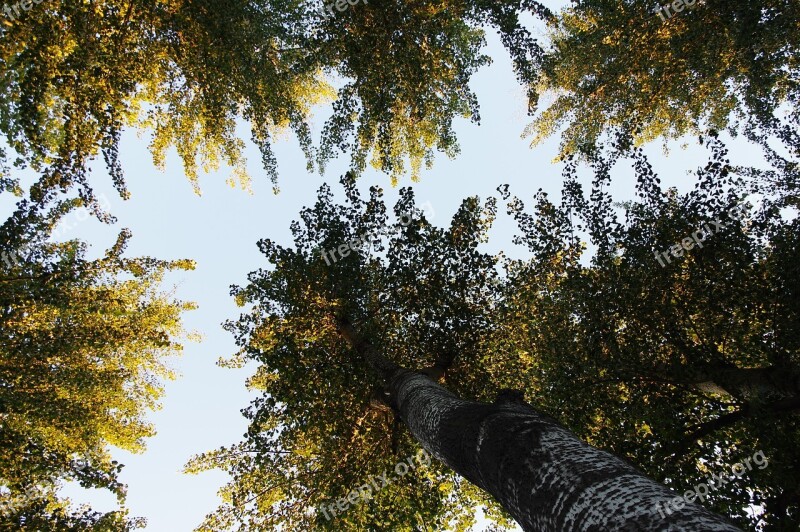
747,383
539,471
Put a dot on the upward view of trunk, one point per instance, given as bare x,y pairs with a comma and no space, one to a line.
540,472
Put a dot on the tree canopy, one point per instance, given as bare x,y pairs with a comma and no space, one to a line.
663,329
76,74
617,66
690,363
83,357
317,429
674,342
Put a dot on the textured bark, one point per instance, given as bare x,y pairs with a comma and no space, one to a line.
745,383
540,472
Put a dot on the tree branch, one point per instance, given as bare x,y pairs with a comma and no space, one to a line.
384,367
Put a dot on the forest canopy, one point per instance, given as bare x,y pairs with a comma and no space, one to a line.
663,329
77,73
679,367
84,354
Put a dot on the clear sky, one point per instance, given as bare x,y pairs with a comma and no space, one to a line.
219,230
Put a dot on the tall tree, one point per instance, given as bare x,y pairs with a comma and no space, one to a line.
83,354
675,343
319,428
333,334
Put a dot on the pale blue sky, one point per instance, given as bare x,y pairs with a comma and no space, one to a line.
220,229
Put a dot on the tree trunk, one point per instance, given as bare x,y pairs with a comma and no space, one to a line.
540,472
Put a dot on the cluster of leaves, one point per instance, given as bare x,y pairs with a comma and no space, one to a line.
83,354
615,66
76,73
685,368
410,64
695,362
316,432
